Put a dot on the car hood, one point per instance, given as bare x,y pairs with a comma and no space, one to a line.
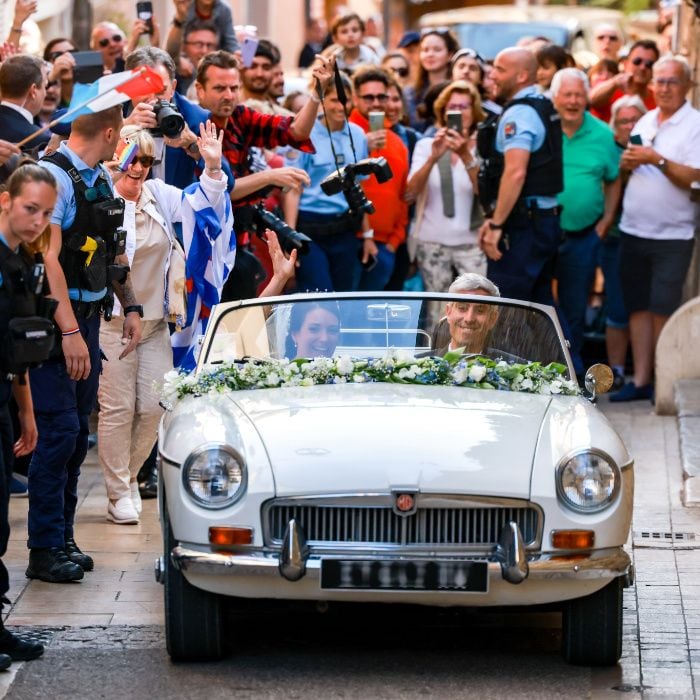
376,437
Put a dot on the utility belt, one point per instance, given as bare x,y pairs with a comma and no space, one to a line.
524,212
321,225
86,309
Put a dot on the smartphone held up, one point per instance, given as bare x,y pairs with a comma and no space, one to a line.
144,11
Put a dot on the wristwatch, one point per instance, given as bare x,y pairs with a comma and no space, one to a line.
495,227
138,308
661,165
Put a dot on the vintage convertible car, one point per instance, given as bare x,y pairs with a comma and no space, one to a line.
366,448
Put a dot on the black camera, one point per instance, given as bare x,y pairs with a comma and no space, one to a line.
289,238
344,181
170,121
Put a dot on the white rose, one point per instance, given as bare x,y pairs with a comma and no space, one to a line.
460,375
358,378
527,383
345,365
477,373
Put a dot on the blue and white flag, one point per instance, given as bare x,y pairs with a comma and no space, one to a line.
210,249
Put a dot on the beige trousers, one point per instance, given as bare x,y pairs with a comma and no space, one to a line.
129,409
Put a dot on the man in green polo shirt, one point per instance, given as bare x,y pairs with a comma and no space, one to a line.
589,200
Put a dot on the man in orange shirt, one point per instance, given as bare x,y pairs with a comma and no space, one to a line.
390,218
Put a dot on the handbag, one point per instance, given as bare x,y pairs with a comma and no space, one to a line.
175,301
176,286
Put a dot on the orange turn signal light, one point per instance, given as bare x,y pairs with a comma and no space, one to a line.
573,539
229,536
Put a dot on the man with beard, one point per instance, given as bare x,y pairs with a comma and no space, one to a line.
519,181
218,90
257,80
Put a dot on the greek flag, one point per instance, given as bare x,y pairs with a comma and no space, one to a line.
210,249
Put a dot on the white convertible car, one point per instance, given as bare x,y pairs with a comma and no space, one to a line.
391,447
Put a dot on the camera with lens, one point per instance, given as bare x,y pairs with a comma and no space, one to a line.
289,238
345,181
170,122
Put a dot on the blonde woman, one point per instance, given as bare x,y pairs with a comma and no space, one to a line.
443,181
129,409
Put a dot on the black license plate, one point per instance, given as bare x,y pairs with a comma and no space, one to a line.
433,575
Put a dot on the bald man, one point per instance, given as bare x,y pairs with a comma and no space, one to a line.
519,181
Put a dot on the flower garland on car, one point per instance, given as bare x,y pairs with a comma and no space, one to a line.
454,369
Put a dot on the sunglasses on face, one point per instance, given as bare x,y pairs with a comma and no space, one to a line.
401,72
115,38
647,62
55,54
374,98
146,161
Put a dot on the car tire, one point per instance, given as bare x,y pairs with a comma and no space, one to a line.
193,617
592,627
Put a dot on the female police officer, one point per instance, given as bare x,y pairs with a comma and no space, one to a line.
25,338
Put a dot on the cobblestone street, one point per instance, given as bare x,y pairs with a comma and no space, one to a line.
118,607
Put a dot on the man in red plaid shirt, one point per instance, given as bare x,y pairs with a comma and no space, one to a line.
218,90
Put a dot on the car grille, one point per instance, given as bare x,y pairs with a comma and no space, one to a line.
381,525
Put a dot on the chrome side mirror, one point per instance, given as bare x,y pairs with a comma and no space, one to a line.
598,380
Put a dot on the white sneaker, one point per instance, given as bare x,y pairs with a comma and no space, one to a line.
122,512
136,496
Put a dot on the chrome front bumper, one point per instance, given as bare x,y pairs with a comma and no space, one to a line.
601,563
508,560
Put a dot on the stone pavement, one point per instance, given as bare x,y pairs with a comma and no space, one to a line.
123,608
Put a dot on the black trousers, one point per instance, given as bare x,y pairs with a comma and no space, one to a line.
6,462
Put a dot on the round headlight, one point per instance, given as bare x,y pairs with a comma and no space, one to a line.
215,476
588,481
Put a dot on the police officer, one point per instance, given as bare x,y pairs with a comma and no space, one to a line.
520,178
25,338
83,265
332,262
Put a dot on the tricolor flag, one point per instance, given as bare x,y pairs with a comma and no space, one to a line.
210,248
111,90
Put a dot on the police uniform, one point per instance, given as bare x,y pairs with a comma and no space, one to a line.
62,406
531,233
26,338
333,253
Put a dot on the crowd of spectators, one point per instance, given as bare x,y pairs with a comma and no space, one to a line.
529,169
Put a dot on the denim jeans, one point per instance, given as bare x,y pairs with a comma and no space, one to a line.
330,265
62,409
578,258
608,259
376,279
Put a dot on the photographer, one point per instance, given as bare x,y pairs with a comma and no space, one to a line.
332,260
218,89
177,157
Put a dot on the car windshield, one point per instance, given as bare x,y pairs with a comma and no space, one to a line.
487,39
367,326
